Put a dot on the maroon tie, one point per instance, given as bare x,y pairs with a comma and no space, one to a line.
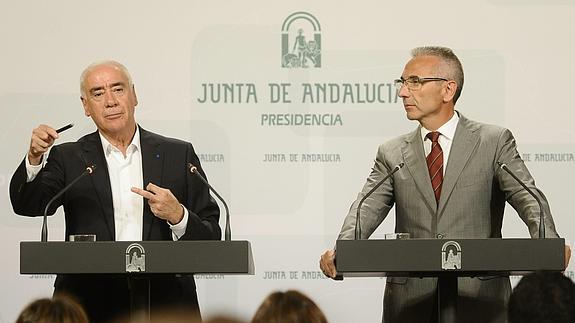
435,164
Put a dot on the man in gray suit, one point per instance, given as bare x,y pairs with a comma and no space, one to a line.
451,187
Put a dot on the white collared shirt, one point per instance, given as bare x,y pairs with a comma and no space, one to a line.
125,173
447,131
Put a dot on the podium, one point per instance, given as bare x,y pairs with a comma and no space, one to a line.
447,260
138,260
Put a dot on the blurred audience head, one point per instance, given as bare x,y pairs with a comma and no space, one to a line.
175,316
288,307
543,297
59,309
223,319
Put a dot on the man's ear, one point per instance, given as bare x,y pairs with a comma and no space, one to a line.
135,96
449,91
86,112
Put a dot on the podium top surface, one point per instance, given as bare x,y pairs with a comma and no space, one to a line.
454,257
137,257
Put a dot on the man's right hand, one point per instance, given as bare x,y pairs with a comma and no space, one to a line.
327,264
43,138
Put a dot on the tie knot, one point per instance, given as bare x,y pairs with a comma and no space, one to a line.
433,136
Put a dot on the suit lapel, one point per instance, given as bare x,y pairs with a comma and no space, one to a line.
152,161
94,155
464,142
415,161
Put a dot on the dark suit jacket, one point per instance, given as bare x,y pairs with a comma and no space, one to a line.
89,210
472,205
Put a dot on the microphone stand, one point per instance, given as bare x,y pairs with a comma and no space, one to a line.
541,218
357,218
44,238
227,231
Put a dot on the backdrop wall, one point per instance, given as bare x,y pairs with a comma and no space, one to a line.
288,146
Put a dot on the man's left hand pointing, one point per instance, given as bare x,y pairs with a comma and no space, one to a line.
162,202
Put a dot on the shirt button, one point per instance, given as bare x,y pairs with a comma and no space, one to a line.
439,236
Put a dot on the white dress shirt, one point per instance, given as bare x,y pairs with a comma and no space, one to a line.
447,131
125,172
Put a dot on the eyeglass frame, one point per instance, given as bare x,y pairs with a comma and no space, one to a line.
416,81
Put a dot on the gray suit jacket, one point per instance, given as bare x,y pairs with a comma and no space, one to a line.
472,202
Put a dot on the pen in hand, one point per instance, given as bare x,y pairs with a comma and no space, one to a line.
64,128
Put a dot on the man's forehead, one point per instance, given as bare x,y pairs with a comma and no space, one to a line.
421,64
104,74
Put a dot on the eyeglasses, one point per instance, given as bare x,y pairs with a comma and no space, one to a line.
415,82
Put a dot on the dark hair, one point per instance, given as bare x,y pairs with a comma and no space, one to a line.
288,307
59,309
543,297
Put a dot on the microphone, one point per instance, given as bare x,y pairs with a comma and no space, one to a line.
357,220
541,219
227,231
89,170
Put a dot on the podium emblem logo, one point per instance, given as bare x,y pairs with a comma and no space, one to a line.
301,41
451,256
135,258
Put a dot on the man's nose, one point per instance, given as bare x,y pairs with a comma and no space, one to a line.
403,92
110,98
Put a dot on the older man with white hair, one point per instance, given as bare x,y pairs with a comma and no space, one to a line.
139,191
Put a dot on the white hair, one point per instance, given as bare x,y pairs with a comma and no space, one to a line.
109,62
